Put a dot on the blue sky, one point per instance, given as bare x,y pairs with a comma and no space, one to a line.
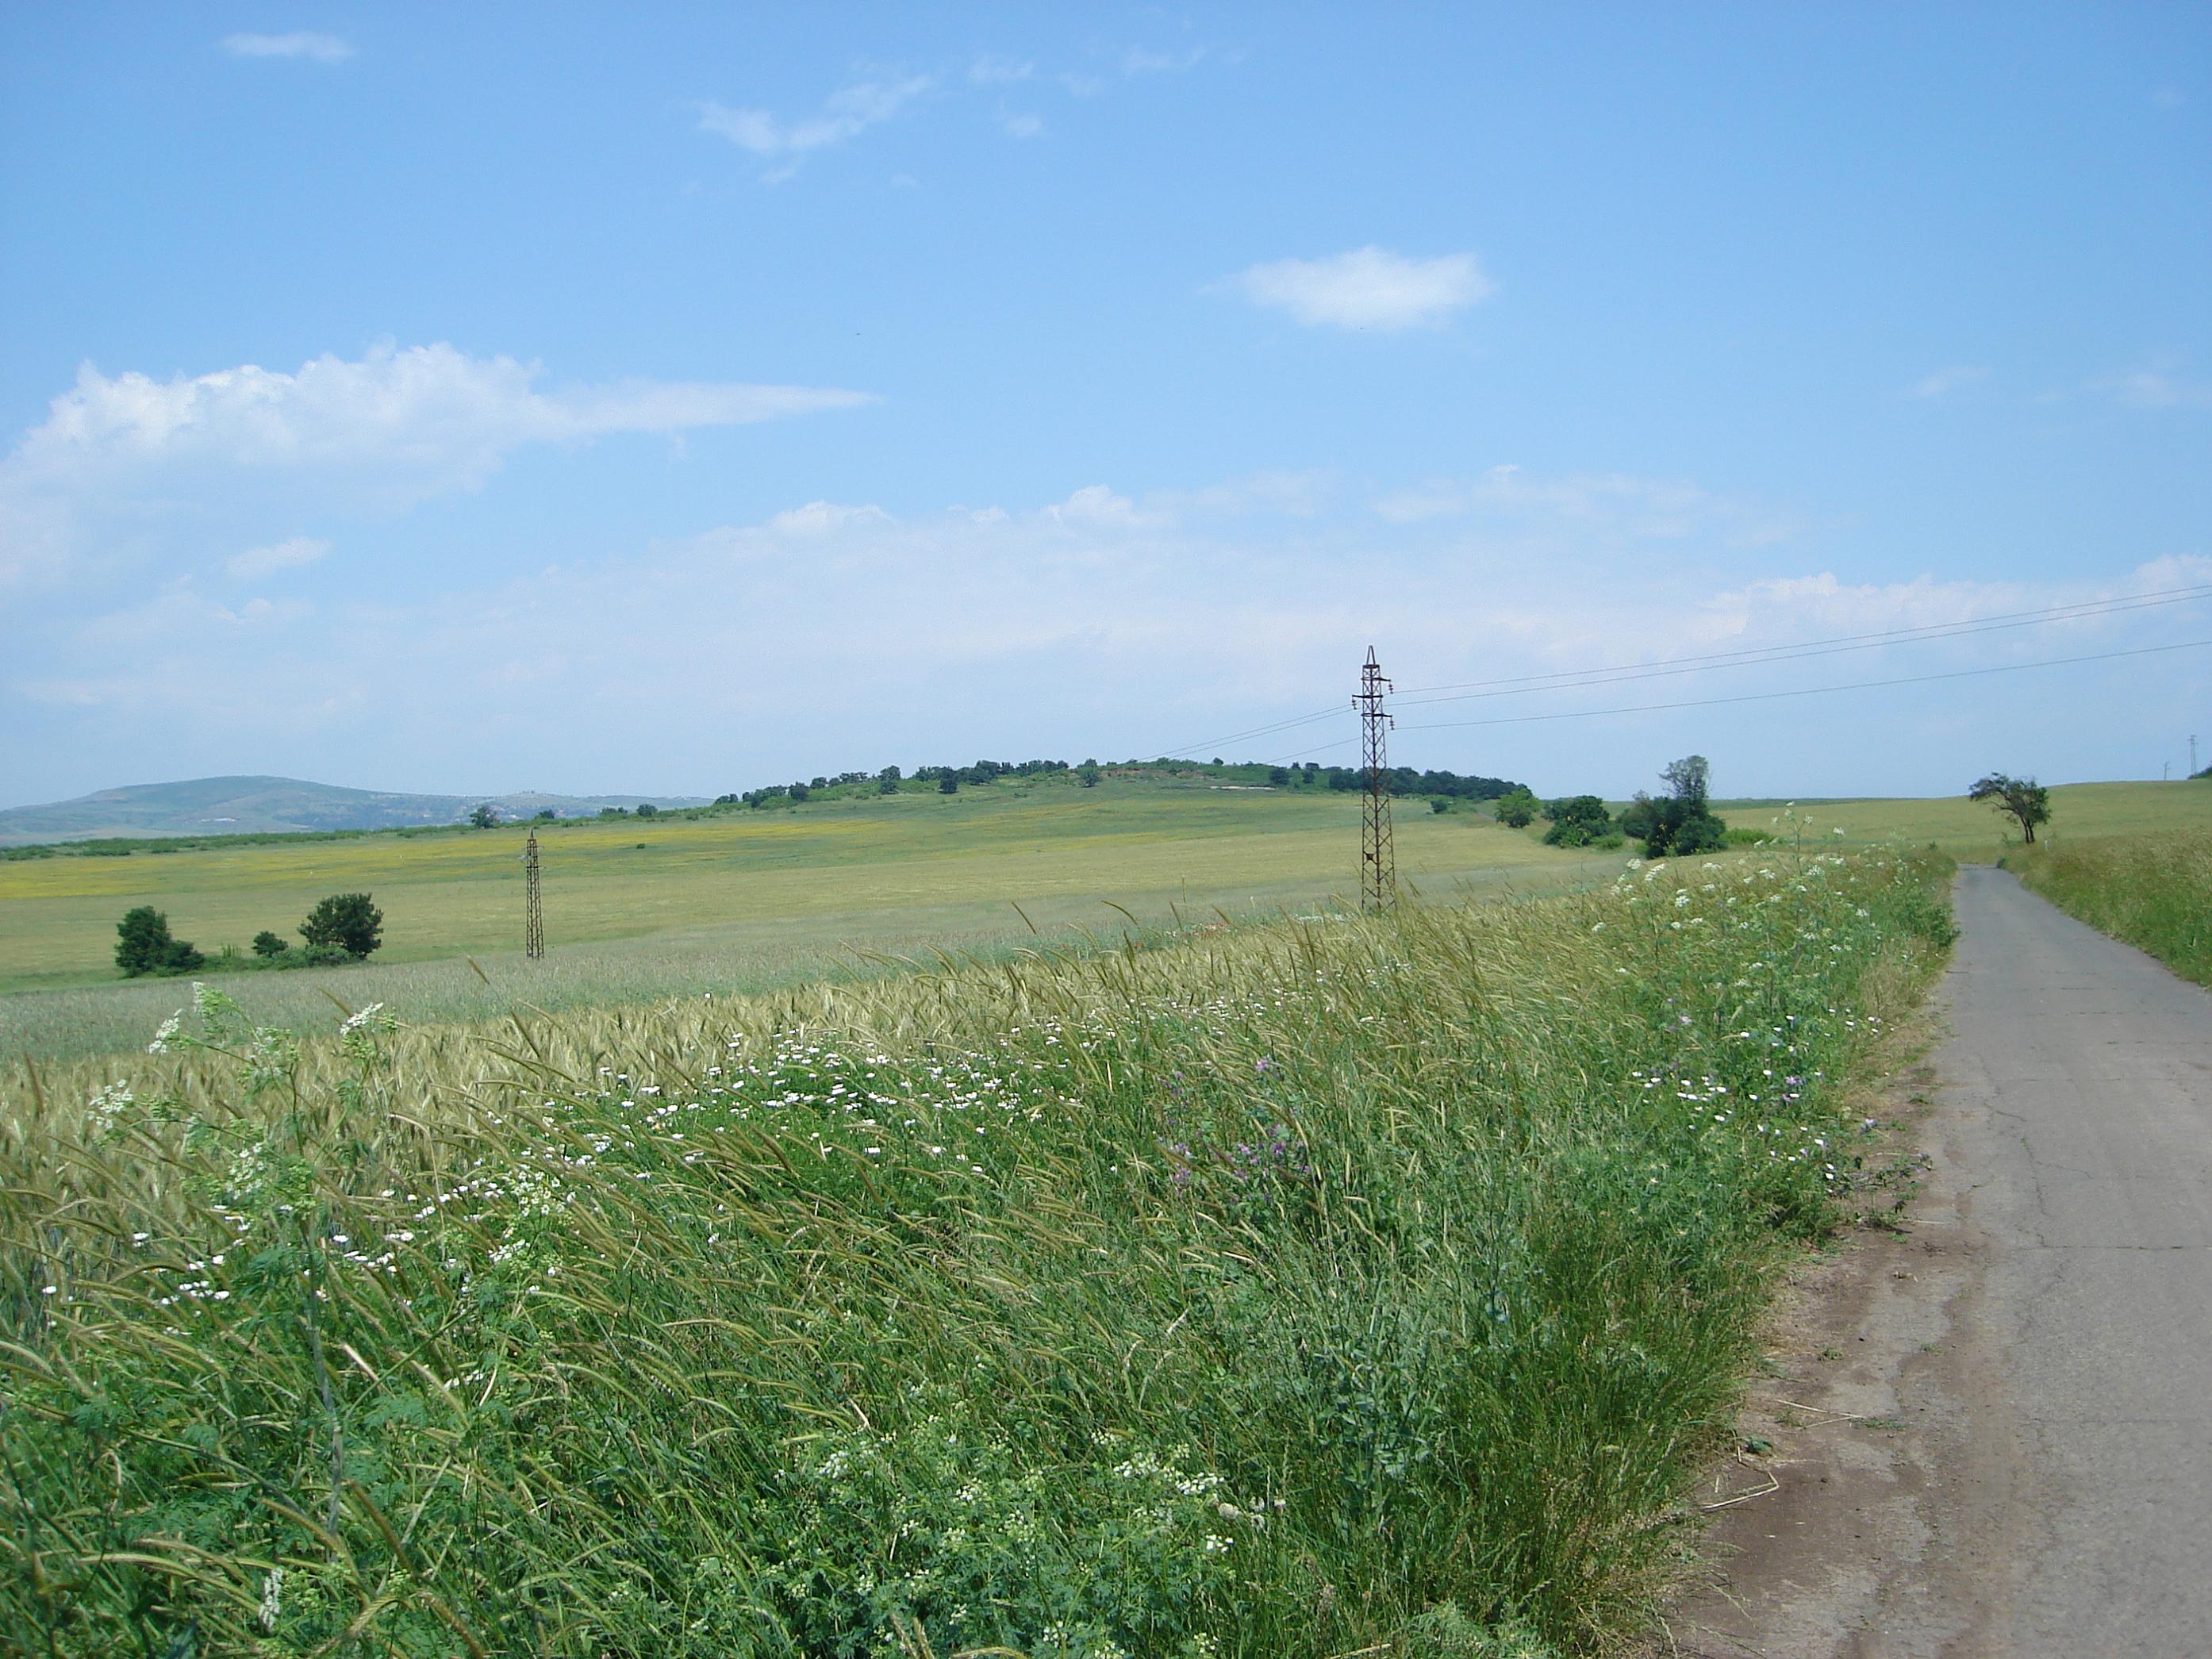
683,398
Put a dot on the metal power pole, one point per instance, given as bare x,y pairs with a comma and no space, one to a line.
1378,887
533,907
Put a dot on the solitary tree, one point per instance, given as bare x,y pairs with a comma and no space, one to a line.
646,809
484,816
143,945
949,784
2023,798
347,920
1088,772
266,944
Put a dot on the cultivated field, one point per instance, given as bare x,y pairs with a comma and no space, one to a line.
1973,833
1297,1289
638,910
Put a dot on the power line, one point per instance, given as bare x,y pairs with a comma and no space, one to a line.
1758,656
1812,690
1751,656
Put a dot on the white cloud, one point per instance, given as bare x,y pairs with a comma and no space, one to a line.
1369,287
1097,505
1021,126
2154,388
846,114
1111,621
991,70
387,430
316,48
257,561
422,420
1139,61
1614,507
1287,495
822,518
1948,379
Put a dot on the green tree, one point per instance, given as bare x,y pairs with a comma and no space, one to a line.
1683,822
484,816
347,920
1088,772
143,945
949,784
646,809
546,815
2022,798
266,944
1517,809
1577,821
1439,804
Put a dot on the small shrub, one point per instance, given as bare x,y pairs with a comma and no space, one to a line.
266,944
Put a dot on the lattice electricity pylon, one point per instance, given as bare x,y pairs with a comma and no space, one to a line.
1378,886
533,907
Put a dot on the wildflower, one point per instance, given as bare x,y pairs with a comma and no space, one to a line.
168,1033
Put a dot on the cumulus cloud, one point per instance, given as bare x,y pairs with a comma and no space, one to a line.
846,113
256,562
1370,288
315,48
422,419
1110,622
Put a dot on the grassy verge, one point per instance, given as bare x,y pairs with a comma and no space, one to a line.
1291,1290
2153,891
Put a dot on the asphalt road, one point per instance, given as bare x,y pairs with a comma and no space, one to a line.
1991,1430
2081,1073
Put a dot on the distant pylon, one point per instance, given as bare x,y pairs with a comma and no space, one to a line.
533,907
1378,888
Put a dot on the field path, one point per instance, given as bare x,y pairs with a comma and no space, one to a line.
2026,1467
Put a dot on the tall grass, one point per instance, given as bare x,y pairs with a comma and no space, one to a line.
1291,1290
2153,891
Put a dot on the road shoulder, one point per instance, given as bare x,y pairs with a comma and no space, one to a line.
1858,1517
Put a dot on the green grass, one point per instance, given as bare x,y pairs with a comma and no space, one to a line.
1291,1290
2153,891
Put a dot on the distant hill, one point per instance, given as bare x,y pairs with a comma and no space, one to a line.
235,806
